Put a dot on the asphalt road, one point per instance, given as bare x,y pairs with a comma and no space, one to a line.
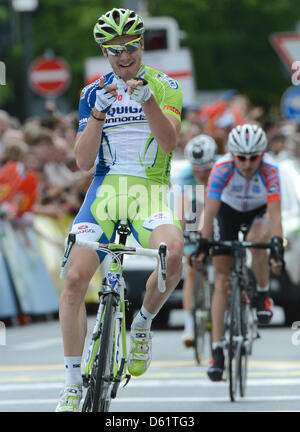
32,374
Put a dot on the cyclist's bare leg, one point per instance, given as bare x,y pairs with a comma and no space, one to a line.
223,265
188,286
140,350
187,301
72,312
173,237
260,232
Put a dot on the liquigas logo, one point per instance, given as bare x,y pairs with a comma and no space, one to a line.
2,73
113,281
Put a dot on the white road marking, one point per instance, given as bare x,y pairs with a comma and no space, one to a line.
36,344
143,400
158,383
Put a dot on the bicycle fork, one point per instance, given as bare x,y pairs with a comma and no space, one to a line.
112,284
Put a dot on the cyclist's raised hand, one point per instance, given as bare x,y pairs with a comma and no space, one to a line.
138,90
106,95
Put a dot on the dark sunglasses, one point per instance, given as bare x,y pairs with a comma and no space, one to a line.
252,158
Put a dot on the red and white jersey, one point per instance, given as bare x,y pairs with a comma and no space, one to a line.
227,184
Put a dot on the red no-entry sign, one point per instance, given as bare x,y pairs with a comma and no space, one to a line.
49,76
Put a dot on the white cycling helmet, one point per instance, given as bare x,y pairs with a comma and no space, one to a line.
201,150
247,139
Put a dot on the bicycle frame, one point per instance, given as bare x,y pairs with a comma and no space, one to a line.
235,337
113,285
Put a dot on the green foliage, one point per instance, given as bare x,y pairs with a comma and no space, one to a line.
230,42
66,27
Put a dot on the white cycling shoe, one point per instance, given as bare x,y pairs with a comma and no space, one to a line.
70,398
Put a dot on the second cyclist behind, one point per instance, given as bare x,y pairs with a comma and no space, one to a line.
244,187
200,151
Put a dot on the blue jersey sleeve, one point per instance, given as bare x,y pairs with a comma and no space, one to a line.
88,99
86,103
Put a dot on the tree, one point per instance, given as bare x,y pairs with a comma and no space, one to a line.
230,42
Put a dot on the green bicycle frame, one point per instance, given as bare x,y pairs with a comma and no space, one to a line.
115,283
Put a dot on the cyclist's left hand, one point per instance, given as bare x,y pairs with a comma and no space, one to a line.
138,90
276,266
276,259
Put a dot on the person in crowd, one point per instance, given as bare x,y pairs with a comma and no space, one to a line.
201,153
18,185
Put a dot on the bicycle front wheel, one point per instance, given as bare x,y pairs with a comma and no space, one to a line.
235,339
199,317
246,332
104,359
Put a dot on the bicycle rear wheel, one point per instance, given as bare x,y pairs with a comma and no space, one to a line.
246,332
235,338
104,360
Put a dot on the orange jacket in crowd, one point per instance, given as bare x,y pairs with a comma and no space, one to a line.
18,188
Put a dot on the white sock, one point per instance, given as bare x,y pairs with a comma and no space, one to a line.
217,345
73,370
262,289
143,319
188,321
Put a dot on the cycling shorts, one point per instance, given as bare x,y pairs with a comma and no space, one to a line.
111,198
228,221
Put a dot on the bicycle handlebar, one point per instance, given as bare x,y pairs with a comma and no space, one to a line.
193,237
161,253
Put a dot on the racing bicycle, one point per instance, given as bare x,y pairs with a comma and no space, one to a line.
240,324
203,288
106,361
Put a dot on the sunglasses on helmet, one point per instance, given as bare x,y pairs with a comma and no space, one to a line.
116,50
251,158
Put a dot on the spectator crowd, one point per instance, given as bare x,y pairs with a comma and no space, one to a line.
38,172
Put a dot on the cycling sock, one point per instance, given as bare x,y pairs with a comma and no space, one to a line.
188,321
73,370
262,289
216,345
143,319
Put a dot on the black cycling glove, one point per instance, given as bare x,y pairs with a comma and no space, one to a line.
203,247
277,250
